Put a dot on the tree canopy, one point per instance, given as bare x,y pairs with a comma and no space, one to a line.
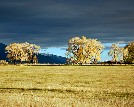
129,58
116,52
21,51
83,50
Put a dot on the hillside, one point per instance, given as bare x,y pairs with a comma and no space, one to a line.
46,58
2,52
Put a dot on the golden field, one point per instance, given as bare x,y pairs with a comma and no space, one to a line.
66,86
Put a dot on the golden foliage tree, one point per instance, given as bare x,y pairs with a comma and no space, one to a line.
21,51
129,53
83,50
30,50
116,52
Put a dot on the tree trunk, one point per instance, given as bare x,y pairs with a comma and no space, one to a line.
14,62
20,62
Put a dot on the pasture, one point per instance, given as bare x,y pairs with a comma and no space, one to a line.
66,86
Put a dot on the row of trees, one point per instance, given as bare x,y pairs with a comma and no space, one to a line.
83,50
125,54
22,52
79,51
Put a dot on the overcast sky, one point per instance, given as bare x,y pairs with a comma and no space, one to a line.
50,23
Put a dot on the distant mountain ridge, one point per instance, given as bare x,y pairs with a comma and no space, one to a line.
42,58
51,59
2,52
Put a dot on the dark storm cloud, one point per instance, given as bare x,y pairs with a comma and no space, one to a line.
53,22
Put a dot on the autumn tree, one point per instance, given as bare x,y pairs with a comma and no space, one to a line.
21,51
116,52
30,50
83,50
14,51
129,54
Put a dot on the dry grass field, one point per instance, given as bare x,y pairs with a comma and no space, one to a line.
66,86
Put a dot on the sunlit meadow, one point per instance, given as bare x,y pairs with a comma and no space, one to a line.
66,86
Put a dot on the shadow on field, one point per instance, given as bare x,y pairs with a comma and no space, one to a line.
38,89
95,94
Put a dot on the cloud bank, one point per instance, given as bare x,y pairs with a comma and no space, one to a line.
52,22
